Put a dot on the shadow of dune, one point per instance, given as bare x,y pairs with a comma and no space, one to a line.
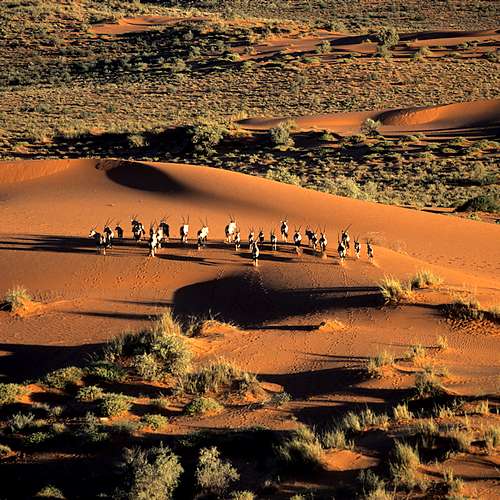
143,177
244,300
30,361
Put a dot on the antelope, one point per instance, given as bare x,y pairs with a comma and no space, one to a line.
255,253
284,230
323,242
165,229
297,240
345,238
274,240
184,230
261,237
341,249
251,237
203,234
237,240
314,240
369,249
153,243
137,229
108,234
99,239
119,231
309,234
357,247
230,230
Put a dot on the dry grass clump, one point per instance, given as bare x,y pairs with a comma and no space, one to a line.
214,475
216,377
336,439
376,364
428,384
64,377
416,353
459,439
302,449
425,278
154,421
372,486
17,300
463,308
113,405
442,343
394,291
401,413
404,466
454,485
212,327
491,436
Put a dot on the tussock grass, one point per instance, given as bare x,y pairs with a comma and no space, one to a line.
381,360
64,377
394,291
454,486
428,384
16,299
302,449
463,308
425,278
442,343
404,465
416,353
336,439
401,412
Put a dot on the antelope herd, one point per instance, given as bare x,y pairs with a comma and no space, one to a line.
159,234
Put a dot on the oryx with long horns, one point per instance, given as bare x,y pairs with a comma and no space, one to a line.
119,230
297,240
99,239
137,228
323,242
369,249
254,248
164,230
284,230
341,249
237,240
230,229
357,247
184,230
274,240
202,234
346,240
251,237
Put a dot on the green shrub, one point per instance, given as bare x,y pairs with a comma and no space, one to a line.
90,430
202,405
387,37
10,392
217,376
64,377
37,438
404,465
150,474
112,405
425,278
280,135
148,366
50,491
282,174
482,203
90,393
302,449
106,371
154,421
370,127
205,136
16,298
213,475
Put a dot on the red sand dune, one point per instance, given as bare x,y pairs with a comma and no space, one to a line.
467,115
44,246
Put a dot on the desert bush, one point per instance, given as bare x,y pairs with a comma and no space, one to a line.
336,439
393,291
91,430
427,384
415,352
463,308
37,438
324,47
10,392
301,449
401,412
16,298
112,405
370,127
205,136
280,135
387,37
155,421
213,475
283,174
64,377
242,495
425,278
404,465
202,405
150,474
50,491
90,393
372,486
4,450
279,399
442,343
108,372
375,364
482,203
217,376
136,140
21,421
459,440
148,366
